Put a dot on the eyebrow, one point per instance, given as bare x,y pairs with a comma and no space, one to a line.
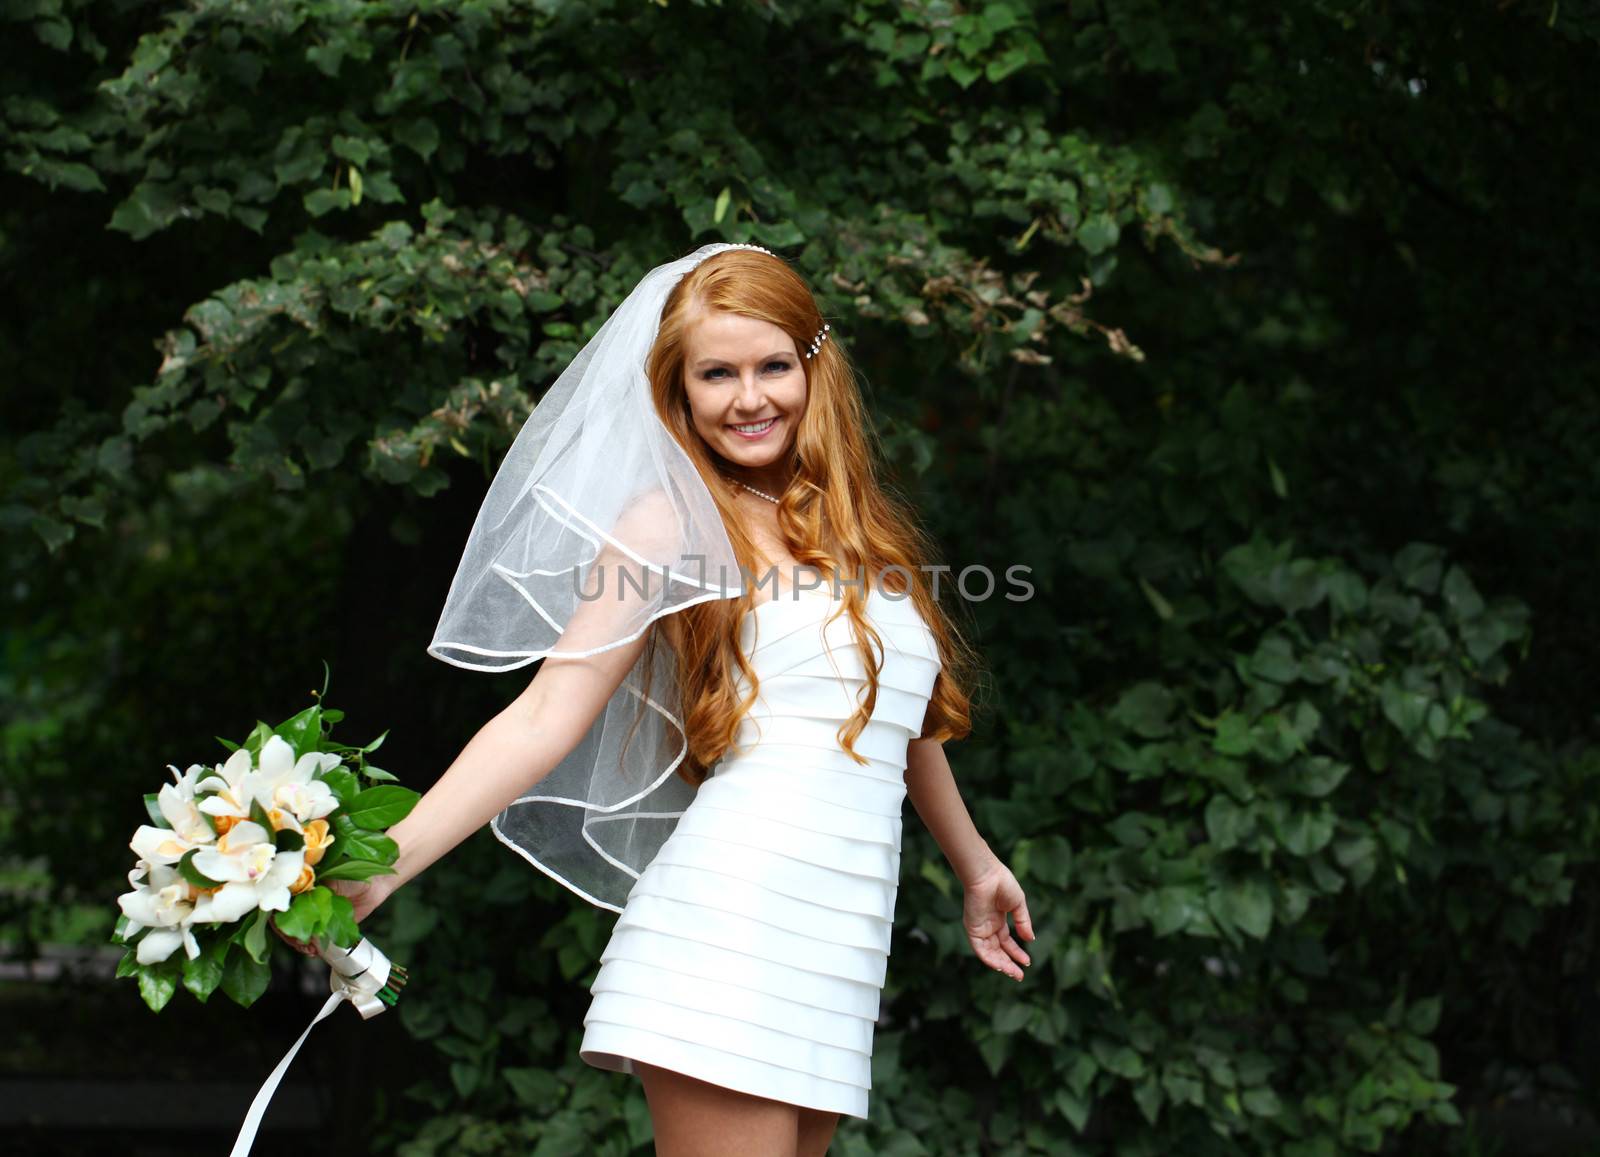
719,362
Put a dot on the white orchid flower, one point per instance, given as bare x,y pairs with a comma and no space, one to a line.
160,846
162,904
188,828
253,874
180,811
235,784
292,786
188,782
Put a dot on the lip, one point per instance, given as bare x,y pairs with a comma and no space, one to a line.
756,437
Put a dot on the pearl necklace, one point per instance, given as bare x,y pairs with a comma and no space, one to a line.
753,490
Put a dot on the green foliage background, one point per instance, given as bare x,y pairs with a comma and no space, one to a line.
1260,332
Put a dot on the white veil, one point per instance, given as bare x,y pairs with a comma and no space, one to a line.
594,470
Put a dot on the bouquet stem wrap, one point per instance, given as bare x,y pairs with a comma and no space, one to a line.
359,974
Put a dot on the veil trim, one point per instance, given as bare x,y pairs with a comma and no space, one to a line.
494,824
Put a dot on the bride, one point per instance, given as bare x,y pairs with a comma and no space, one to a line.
723,766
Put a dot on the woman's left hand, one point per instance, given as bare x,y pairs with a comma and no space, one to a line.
988,899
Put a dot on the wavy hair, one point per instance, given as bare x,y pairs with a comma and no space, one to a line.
834,514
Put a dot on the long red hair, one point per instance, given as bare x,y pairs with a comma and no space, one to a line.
834,515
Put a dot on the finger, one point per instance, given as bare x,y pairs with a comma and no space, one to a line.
1015,951
1024,921
989,952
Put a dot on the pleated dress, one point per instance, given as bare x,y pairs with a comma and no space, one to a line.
752,950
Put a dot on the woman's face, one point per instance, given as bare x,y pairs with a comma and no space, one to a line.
741,373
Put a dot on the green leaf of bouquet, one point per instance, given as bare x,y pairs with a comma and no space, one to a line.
373,772
194,875
129,964
303,732
202,974
227,743
359,844
307,917
342,927
356,870
332,715
153,807
258,814
343,784
254,940
244,979
157,983
378,742
120,932
382,806
258,736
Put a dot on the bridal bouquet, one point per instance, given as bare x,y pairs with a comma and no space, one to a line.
254,838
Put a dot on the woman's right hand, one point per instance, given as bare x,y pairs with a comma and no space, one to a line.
364,897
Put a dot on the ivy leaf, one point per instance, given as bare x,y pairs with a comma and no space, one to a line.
1074,1107
1423,1016
1247,905
1147,1094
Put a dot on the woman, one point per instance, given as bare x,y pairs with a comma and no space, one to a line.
713,417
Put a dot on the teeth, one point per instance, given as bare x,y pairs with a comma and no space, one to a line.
756,427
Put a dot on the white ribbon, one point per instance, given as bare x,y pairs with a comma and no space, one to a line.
358,973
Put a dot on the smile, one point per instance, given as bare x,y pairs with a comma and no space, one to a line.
754,429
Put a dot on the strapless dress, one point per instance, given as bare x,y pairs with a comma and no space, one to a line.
752,950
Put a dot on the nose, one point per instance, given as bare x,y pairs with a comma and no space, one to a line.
750,395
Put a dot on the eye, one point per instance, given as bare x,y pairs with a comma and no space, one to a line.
778,364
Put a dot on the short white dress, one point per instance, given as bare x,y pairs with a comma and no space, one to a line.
752,951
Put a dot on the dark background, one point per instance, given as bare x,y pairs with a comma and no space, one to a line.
1262,333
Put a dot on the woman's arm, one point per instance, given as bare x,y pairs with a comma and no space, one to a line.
934,794
989,891
523,744
510,754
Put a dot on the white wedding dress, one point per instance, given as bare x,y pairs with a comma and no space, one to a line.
752,951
